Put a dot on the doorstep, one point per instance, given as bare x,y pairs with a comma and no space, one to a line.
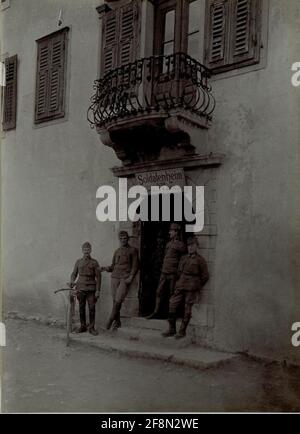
146,342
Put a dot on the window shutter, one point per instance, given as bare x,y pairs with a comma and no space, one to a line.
120,36
128,31
42,85
216,53
10,93
109,37
50,83
244,38
56,76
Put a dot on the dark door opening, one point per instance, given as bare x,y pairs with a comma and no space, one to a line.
154,237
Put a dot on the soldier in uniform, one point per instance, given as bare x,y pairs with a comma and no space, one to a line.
193,274
88,287
173,252
123,268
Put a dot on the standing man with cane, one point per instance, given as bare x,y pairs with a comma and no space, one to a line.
88,286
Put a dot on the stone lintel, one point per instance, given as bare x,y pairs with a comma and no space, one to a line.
188,162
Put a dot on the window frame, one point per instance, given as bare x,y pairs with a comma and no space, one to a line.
13,83
115,46
39,119
181,25
186,30
256,20
162,8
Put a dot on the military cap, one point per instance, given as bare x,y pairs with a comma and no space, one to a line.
86,244
192,240
175,227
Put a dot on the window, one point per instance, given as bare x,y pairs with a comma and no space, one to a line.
165,35
177,27
10,94
51,77
193,36
169,33
232,33
120,38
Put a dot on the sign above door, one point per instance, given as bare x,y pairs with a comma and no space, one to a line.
167,177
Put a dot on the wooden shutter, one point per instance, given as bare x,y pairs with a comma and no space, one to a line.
216,53
232,33
109,37
50,83
128,22
10,93
42,85
57,76
244,32
120,36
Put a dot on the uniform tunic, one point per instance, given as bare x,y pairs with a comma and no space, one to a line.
89,279
124,265
173,252
194,274
87,270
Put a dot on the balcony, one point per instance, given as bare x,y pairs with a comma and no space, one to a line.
152,100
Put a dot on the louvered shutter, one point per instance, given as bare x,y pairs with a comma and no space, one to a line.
232,33
244,36
216,53
109,38
120,36
56,76
51,71
127,45
10,93
42,85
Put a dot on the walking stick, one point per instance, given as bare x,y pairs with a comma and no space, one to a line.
70,311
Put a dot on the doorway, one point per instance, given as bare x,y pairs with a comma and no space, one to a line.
154,237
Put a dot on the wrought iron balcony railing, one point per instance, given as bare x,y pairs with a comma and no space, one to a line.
152,85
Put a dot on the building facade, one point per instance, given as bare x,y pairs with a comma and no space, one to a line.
194,90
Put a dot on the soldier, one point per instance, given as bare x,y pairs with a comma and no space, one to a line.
124,267
87,287
193,274
173,252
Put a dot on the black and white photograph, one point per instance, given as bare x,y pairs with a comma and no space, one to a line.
150,208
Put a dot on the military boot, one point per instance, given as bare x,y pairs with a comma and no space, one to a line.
114,314
91,327
182,331
111,318
154,315
81,329
117,322
172,328
93,331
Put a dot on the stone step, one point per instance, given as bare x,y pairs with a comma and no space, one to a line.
153,337
143,323
150,331
178,352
